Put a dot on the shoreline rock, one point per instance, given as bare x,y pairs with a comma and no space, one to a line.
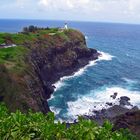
130,120
119,115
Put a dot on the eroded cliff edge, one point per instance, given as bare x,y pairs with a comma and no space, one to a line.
27,79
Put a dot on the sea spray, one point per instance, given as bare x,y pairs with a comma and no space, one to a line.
96,100
61,83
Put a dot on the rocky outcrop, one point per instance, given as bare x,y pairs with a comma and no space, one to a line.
47,59
52,63
119,115
129,120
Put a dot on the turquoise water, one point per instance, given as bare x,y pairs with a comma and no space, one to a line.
118,70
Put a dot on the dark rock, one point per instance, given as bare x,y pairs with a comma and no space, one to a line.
110,104
129,120
48,90
110,113
114,95
135,108
46,106
53,86
95,111
1,98
124,100
93,51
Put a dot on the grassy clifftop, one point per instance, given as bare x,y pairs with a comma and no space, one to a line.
12,57
41,34
21,83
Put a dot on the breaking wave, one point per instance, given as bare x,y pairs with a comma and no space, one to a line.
96,100
103,56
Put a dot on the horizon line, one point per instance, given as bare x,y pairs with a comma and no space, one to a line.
108,22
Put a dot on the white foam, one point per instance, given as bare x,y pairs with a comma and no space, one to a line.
103,56
133,95
52,96
55,110
59,84
130,81
85,105
86,37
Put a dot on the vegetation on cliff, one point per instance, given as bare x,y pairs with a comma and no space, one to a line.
36,126
33,34
26,69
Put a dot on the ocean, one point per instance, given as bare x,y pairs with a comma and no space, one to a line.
118,70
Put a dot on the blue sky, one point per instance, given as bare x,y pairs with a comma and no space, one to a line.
125,11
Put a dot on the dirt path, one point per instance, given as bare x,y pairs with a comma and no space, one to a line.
7,46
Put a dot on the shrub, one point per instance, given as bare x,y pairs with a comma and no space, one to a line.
37,126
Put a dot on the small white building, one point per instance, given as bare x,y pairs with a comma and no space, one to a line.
66,26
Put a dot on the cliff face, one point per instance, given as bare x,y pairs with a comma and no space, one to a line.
47,59
56,61
129,120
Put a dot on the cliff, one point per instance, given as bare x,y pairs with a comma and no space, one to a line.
36,59
129,120
39,59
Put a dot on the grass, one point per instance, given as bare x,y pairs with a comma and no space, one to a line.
12,54
13,59
21,38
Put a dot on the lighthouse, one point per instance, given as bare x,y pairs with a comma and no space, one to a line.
66,26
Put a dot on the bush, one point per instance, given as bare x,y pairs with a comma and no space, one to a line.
37,126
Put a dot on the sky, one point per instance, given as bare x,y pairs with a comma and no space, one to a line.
123,11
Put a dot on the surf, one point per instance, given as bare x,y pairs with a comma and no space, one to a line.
103,57
96,100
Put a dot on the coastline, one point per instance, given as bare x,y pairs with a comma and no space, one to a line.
112,110
57,85
102,57
77,71
33,89
48,58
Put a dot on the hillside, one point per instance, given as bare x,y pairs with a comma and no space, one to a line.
38,59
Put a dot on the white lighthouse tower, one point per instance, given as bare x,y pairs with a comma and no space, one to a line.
66,26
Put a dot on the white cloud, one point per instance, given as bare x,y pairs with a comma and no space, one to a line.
134,6
92,5
71,4
44,3
20,3
102,10
94,10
